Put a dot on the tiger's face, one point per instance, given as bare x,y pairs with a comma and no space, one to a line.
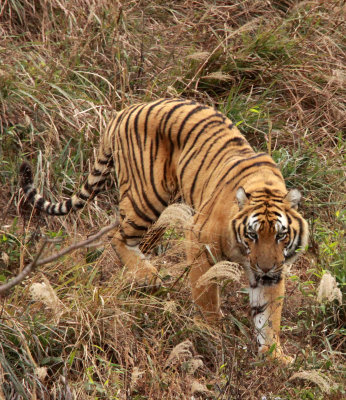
270,232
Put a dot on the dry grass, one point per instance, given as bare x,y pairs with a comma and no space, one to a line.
221,271
324,382
328,289
176,216
277,69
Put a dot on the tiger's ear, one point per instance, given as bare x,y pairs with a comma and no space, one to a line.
242,197
293,197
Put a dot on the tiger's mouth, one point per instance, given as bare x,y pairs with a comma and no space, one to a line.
268,279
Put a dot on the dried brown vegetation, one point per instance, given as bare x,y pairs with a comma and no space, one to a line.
277,69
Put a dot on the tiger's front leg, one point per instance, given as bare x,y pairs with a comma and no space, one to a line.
206,297
266,305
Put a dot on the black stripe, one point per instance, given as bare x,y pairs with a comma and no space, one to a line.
39,203
193,145
294,236
136,226
205,156
234,229
127,168
25,173
162,201
245,151
131,236
216,139
164,180
150,205
122,169
219,185
102,162
139,142
95,192
277,174
88,187
171,144
192,155
100,184
78,205
200,168
68,204
157,142
83,196
61,205
105,154
139,212
194,185
96,172
300,233
265,203
257,164
167,117
224,147
258,207
131,151
31,194
201,121
151,108
267,196
187,117
256,215
258,309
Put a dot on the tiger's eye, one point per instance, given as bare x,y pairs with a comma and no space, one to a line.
281,235
252,235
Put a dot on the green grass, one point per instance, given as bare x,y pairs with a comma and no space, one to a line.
276,69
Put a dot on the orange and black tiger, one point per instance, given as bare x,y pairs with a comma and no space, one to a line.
173,148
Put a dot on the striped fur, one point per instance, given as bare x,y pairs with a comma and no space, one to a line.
174,149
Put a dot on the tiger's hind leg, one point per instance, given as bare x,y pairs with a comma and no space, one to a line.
139,268
126,243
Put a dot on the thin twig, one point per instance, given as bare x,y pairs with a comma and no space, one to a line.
269,144
37,261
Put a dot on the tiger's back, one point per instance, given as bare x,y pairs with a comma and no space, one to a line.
180,148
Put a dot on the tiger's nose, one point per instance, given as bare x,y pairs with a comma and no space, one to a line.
265,267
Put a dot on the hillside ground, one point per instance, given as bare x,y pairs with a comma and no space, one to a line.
74,329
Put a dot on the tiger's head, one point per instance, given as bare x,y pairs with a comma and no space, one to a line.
270,231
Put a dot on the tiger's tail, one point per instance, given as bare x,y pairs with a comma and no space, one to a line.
94,184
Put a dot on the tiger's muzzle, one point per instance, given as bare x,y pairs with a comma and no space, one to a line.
269,277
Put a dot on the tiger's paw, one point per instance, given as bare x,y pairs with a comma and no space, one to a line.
144,275
213,317
276,355
284,359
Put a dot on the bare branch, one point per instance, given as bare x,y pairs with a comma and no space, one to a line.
37,261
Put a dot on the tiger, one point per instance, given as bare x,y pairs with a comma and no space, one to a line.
242,212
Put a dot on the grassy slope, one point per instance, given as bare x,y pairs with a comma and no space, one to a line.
274,67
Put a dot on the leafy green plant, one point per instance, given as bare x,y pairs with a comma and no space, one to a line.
332,247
